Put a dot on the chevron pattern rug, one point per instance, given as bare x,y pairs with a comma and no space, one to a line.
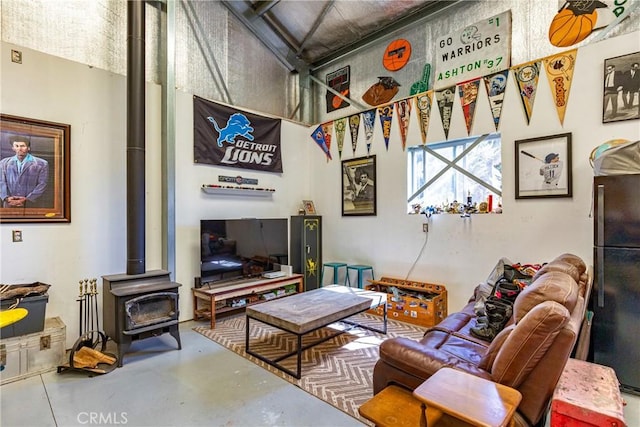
338,371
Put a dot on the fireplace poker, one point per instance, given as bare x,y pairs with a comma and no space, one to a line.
95,300
86,306
80,313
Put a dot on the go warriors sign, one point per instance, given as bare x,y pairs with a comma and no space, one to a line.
224,136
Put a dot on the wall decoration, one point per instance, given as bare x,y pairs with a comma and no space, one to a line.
340,126
396,55
319,138
475,51
358,186
38,189
423,104
496,84
560,69
339,81
226,136
381,92
403,108
421,85
309,207
543,167
368,120
527,76
468,95
385,114
574,22
445,99
621,100
354,128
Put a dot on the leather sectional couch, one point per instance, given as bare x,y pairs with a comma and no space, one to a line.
529,354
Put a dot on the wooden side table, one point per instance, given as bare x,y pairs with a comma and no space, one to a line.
471,399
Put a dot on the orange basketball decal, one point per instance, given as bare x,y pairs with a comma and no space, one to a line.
574,22
396,55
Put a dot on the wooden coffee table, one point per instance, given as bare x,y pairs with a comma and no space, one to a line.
303,313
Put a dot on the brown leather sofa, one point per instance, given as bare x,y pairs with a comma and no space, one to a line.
529,354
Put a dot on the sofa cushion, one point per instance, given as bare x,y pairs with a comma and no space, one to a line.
576,261
528,342
551,286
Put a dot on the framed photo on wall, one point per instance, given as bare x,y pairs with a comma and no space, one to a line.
543,167
621,96
359,186
34,170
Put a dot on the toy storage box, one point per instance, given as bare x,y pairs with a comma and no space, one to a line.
33,354
420,303
34,322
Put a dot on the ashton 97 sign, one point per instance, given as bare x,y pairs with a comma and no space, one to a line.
475,51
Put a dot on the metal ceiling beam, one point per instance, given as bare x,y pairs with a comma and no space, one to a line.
273,40
315,26
428,11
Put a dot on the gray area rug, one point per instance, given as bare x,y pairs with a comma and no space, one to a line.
338,371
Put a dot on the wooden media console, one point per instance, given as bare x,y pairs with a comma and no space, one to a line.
234,294
420,303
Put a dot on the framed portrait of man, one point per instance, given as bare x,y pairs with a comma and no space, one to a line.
34,170
359,186
621,92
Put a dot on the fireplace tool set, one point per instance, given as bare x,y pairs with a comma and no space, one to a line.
83,355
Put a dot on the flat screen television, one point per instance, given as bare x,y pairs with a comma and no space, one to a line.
237,248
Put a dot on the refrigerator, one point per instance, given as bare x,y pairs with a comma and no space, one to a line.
615,299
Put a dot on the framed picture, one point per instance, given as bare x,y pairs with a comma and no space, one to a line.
621,96
309,207
34,170
543,167
359,186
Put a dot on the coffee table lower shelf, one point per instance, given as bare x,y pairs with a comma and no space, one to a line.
308,312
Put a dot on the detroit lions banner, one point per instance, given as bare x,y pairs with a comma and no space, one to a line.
224,136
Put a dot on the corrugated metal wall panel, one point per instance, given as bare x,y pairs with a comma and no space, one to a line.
94,33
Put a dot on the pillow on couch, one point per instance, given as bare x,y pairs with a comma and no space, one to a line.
551,286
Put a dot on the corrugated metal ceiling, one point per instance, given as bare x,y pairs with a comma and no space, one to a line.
310,33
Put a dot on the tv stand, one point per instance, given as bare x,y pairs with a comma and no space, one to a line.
234,294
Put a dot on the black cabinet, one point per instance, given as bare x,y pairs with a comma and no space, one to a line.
306,248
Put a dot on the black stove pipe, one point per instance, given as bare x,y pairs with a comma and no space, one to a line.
135,137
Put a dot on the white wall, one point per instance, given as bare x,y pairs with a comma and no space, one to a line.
460,253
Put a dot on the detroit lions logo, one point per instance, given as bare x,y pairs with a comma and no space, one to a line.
237,125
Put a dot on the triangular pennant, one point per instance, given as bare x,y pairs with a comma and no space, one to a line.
326,128
368,120
340,125
496,85
318,137
423,104
445,99
403,108
560,69
385,113
354,128
468,92
527,76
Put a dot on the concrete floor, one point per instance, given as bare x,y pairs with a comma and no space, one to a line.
203,384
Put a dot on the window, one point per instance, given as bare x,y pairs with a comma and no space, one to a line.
462,175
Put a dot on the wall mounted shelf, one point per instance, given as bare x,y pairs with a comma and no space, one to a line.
237,191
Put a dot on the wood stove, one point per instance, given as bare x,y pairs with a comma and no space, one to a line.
138,306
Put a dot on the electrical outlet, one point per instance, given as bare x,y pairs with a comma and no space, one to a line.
425,227
16,235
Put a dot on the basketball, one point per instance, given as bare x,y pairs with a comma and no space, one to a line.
396,55
567,28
